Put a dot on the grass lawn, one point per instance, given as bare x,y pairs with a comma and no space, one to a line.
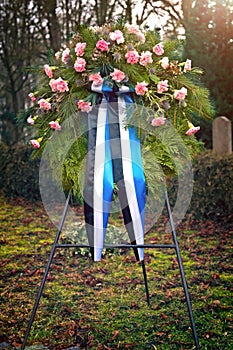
103,305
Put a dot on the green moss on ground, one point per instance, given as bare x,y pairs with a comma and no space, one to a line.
103,305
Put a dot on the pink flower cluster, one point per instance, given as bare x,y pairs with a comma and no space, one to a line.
48,71
79,49
180,94
158,121
84,106
30,120
158,49
141,88
102,45
162,86
117,36
146,58
80,65
135,30
32,97
165,63
192,130
65,55
55,125
35,143
187,65
58,85
117,75
132,56
96,78
58,55
44,104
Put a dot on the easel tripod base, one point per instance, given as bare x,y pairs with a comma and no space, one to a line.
162,246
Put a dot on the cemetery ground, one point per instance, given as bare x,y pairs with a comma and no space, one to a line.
103,305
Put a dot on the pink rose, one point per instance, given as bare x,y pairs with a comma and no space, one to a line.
132,56
162,86
80,65
84,106
102,45
165,62
30,120
141,88
55,125
117,75
187,65
146,58
158,49
96,78
44,104
158,121
61,85
79,49
32,97
180,94
65,55
35,143
48,71
117,36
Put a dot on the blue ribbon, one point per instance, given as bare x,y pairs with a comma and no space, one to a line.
113,164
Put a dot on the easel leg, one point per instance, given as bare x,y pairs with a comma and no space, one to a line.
145,282
182,272
46,273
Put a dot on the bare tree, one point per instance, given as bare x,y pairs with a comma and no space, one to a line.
29,29
16,47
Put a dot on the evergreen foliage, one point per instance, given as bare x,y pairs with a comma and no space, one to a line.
168,142
212,196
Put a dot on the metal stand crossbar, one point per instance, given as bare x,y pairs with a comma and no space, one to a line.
173,246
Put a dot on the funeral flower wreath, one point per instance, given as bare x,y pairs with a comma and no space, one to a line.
166,91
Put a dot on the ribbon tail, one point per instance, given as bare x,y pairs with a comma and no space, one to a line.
134,177
99,181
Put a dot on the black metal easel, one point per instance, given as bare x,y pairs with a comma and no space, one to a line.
173,246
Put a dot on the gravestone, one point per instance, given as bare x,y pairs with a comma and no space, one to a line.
222,136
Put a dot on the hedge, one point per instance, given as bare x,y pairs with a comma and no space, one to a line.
213,187
19,175
212,192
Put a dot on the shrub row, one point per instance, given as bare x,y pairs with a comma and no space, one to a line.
19,175
212,192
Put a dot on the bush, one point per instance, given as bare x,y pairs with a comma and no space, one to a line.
212,196
19,175
213,191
